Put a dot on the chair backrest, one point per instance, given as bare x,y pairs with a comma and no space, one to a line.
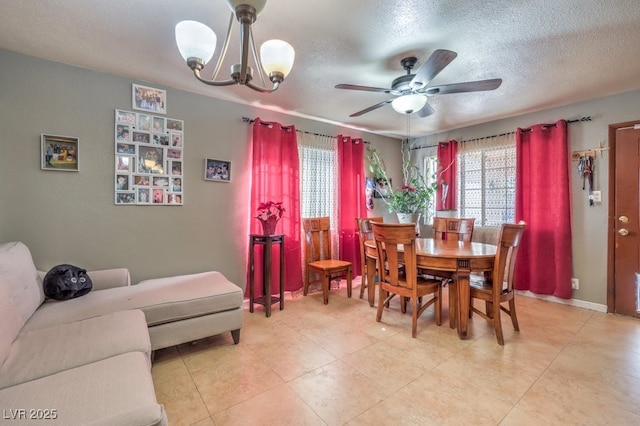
390,238
365,233
503,268
447,228
317,234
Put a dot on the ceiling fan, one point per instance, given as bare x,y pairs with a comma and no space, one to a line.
418,84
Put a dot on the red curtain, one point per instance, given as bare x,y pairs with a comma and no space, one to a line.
543,202
351,200
447,175
275,177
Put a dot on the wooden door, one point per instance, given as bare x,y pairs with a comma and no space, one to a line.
625,220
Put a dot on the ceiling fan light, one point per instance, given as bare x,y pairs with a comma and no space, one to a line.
408,104
277,57
195,40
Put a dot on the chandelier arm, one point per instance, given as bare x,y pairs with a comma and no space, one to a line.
223,52
256,58
262,89
196,73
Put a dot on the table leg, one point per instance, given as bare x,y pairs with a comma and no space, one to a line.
371,279
266,279
463,296
251,278
282,274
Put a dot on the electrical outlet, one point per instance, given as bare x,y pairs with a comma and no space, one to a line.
575,283
597,196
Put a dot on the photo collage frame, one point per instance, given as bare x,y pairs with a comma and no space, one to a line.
148,159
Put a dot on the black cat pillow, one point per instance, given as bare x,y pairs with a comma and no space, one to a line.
64,282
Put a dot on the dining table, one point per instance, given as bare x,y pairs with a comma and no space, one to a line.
454,258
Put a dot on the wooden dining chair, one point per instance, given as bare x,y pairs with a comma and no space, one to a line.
499,288
365,233
447,228
318,259
392,239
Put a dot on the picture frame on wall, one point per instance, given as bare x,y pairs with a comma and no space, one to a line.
217,170
59,153
144,98
383,188
149,160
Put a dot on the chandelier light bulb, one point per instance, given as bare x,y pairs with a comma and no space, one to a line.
195,40
277,57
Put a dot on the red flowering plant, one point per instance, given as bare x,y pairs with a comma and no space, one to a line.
270,208
269,213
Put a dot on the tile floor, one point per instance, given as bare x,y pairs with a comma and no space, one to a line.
315,364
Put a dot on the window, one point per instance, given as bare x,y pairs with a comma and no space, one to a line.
318,158
487,181
429,171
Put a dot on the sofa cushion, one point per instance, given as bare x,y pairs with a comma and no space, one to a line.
10,323
21,278
162,300
91,393
39,353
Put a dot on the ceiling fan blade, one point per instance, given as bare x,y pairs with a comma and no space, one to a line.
438,60
362,88
426,110
468,86
371,108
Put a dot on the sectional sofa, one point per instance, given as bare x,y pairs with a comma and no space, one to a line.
87,360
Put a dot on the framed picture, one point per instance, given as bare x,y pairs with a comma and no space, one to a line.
217,170
59,153
148,160
148,99
383,188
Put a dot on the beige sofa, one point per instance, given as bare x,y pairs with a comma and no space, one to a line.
87,360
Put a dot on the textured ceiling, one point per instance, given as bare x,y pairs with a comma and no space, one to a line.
548,53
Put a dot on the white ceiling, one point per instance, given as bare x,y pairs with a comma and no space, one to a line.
549,53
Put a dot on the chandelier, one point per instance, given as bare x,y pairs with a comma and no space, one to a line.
197,43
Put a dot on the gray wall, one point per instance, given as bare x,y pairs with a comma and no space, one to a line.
589,224
67,217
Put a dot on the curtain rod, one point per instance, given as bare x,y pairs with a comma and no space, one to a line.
251,120
528,129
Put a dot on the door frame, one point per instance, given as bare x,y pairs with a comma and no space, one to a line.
611,222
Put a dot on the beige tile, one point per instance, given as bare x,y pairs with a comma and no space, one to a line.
186,411
334,364
388,366
231,379
436,398
277,406
337,392
555,400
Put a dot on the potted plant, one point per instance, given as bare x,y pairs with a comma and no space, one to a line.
415,194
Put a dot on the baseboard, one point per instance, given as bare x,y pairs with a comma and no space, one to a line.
571,302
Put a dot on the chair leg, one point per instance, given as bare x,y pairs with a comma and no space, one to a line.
512,314
349,283
403,304
381,299
363,284
326,282
305,290
438,307
414,316
497,324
